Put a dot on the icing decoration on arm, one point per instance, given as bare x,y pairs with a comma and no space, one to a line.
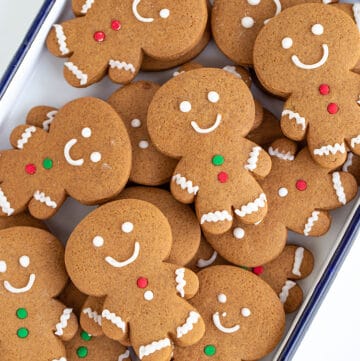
67,149
278,10
339,189
356,11
188,325
153,347
116,320
5,204
122,65
64,318
349,162
355,141
252,207
200,130
217,216
284,156
220,327
42,198
298,63
299,256
86,7
330,149
185,184
292,115
232,70
124,356
253,159
93,315
285,291
9,287
83,77
310,222
61,39
202,263
180,281
50,117
25,137
117,264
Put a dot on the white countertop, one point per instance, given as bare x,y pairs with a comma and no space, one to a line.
334,334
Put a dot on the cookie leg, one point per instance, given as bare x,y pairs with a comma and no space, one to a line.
113,326
124,70
90,318
293,124
291,296
82,7
317,224
12,201
354,144
252,211
41,117
157,349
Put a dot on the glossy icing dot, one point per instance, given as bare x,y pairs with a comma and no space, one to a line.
247,22
283,192
324,89
209,350
47,163
85,336
164,13
142,282
245,312
95,157
317,29
258,270
3,266
127,227
238,233
218,160
185,106
30,169
86,132
148,295
287,43
24,261
116,25
254,2
213,97
301,185
99,36
22,332
136,123
223,177
333,108
82,352
98,241
143,144
21,313
222,298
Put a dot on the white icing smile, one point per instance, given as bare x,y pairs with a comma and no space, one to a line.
114,263
200,130
9,287
69,159
277,12
320,63
220,327
164,13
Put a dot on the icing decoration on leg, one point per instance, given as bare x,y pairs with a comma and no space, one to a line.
217,216
42,198
310,222
188,325
299,256
61,39
284,156
122,65
5,204
64,318
285,291
93,315
153,347
330,149
339,188
50,117
252,207
83,78
116,320
180,281
355,141
87,6
253,159
293,115
348,163
202,263
185,184
25,137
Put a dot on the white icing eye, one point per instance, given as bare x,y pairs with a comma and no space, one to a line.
283,192
247,22
143,144
95,157
98,241
86,132
238,233
136,123
245,312
317,29
254,2
185,106
3,266
127,227
164,13
287,43
148,295
222,298
24,261
213,97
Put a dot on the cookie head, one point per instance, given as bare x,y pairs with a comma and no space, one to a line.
31,263
198,106
305,42
113,241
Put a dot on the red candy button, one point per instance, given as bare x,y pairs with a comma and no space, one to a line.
142,282
116,25
301,185
324,89
30,169
333,108
258,270
99,36
223,177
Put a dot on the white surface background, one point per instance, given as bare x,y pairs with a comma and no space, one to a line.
334,334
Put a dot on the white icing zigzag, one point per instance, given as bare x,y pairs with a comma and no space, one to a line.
202,263
285,291
188,325
153,347
86,7
42,198
64,318
93,315
5,204
356,11
217,216
121,65
61,39
252,207
292,115
185,184
25,137
299,256
124,356
355,141
330,149
348,163
116,320
50,117
253,159
77,72
310,222
340,192
284,156
181,283
232,70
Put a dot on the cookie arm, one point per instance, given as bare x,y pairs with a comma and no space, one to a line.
25,136
293,123
90,318
67,324
114,325
41,117
81,7
186,282
258,161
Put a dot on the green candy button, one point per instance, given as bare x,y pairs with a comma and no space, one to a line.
47,163
82,352
23,332
218,160
21,313
85,336
209,350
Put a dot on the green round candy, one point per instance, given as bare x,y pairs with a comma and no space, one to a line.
82,352
23,332
218,160
47,163
21,313
85,336
209,350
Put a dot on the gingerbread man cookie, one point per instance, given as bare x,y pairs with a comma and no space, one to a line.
86,154
137,284
244,317
300,194
32,274
195,117
315,47
113,36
